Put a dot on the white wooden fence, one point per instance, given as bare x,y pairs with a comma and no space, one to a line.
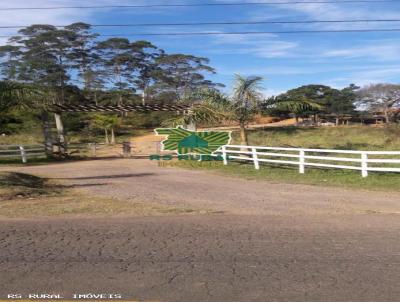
364,161
21,151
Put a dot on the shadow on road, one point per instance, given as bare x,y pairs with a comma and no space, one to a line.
110,176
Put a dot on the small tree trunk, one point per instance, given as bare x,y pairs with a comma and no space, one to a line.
112,136
106,136
337,121
297,120
243,135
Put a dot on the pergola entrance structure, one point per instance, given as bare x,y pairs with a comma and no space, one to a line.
67,108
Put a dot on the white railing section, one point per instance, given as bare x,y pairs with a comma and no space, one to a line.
364,161
21,151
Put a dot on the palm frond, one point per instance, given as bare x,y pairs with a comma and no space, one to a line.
16,95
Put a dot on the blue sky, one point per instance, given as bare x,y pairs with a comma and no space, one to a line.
285,60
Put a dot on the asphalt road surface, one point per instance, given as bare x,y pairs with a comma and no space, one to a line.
273,242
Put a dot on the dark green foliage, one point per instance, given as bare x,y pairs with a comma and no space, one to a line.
317,99
71,66
44,64
180,75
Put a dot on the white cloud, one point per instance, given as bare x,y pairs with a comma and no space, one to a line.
325,11
263,46
367,76
272,92
380,50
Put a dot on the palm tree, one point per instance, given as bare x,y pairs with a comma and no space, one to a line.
16,95
210,107
22,95
246,102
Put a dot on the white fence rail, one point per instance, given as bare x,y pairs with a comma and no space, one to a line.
364,161
21,151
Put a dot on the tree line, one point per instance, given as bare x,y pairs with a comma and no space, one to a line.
374,100
73,66
45,64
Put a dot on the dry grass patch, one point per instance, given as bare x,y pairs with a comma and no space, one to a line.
28,196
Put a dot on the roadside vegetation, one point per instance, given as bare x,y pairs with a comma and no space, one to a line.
44,65
343,137
28,196
322,177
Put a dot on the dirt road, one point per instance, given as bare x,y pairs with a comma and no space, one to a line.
273,242
143,181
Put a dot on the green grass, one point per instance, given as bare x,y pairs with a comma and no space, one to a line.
22,139
339,178
344,137
36,137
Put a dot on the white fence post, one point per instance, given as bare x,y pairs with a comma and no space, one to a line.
224,155
302,160
255,158
23,154
364,164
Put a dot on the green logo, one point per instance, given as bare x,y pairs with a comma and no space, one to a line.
184,141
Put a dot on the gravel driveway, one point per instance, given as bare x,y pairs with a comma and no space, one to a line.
143,181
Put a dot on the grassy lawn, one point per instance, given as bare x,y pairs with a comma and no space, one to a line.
340,178
28,196
343,137
36,137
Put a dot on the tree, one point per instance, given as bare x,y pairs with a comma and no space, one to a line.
116,58
182,74
45,58
14,95
107,122
380,98
342,102
144,64
84,57
241,107
69,65
317,99
211,107
11,55
246,101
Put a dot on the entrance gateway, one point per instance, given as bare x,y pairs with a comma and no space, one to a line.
58,109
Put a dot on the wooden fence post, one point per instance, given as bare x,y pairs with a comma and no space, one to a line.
126,146
92,147
23,154
255,158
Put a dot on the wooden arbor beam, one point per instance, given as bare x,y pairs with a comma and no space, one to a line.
121,108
